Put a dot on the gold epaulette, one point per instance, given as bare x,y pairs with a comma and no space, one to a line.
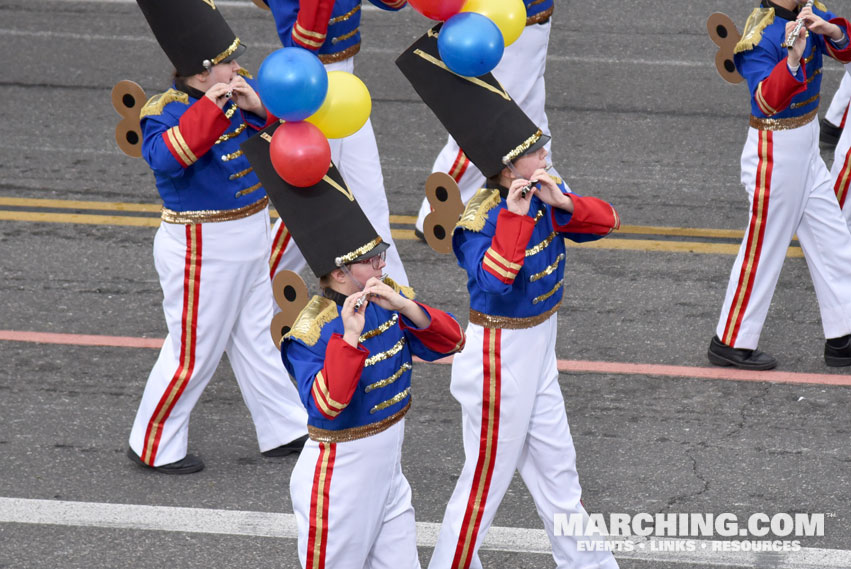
406,290
759,19
157,103
476,212
307,327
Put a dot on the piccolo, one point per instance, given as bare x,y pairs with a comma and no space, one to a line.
228,95
359,302
796,31
528,187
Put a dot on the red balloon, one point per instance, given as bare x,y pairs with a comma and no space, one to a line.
300,153
440,10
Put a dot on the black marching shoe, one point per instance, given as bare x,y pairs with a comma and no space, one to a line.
289,448
420,235
186,465
837,351
829,135
721,354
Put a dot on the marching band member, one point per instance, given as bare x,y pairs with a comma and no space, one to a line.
350,351
211,248
787,182
510,242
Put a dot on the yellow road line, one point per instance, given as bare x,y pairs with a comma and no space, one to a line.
671,246
612,243
124,206
71,204
45,217
681,231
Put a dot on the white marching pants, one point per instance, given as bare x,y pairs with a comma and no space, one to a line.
521,73
353,504
356,157
216,298
513,418
838,109
790,192
840,171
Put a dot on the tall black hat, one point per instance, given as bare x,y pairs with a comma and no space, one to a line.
192,33
478,112
326,222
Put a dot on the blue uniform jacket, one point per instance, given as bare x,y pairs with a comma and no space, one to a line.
538,10
761,59
353,392
328,27
515,264
193,148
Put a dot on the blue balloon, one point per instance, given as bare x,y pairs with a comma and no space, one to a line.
292,83
470,44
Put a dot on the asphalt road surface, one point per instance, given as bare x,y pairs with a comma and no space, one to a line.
639,117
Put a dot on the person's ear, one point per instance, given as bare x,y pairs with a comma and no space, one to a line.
338,276
202,76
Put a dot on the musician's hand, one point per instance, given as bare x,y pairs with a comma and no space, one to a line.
388,299
818,25
515,201
793,58
550,193
353,320
246,97
217,93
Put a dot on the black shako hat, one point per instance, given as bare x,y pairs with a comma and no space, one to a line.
192,33
483,119
326,222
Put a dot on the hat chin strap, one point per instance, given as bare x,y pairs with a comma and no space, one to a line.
349,274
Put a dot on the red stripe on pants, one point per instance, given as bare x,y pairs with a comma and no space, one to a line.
317,537
279,245
492,368
188,337
459,166
840,187
755,236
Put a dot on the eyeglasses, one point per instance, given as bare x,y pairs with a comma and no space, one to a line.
375,260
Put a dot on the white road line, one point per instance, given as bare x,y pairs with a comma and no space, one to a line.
365,49
265,524
227,3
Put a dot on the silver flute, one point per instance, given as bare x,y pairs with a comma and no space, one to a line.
528,186
796,31
359,302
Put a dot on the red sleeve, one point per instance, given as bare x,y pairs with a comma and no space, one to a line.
311,25
504,258
843,55
196,132
775,92
270,119
590,215
335,384
443,334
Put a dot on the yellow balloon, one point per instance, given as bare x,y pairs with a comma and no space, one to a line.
346,107
508,15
